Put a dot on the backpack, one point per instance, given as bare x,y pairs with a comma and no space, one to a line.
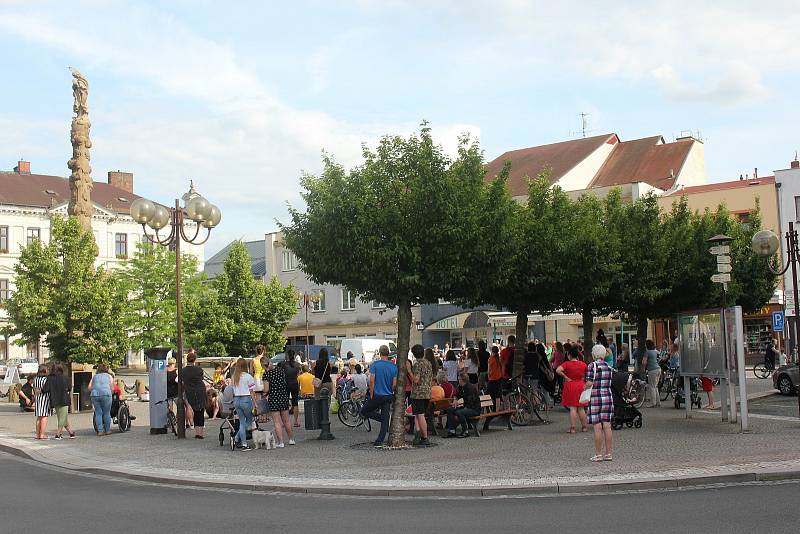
545,370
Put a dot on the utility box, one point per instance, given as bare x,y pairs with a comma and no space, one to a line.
312,415
157,379
80,376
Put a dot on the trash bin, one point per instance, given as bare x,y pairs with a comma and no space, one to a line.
157,379
311,409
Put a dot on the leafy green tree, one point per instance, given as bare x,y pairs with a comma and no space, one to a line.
149,276
593,258
239,311
391,229
62,296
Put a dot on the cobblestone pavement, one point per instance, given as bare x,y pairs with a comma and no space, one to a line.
667,445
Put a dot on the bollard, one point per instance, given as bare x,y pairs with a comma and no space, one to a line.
324,414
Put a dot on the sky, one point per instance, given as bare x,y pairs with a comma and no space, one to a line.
243,96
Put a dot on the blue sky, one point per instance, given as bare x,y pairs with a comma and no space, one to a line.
243,96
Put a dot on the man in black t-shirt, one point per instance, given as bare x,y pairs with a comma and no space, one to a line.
483,364
26,398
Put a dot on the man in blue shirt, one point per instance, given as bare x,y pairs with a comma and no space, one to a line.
382,381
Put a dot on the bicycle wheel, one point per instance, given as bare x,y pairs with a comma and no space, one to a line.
666,389
760,370
637,393
540,408
349,414
124,419
523,409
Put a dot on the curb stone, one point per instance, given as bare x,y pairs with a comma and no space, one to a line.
553,489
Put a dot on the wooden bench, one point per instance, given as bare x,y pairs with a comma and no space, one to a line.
489,412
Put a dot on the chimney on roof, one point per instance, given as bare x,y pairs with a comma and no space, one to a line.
122,180
755,173
795,162
23,167
741,176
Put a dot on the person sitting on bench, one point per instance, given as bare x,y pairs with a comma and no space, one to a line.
468,393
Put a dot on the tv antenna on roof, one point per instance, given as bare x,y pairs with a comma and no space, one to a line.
584,125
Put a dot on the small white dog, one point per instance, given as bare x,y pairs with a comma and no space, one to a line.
263,438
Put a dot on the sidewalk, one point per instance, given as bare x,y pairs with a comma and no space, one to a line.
669,451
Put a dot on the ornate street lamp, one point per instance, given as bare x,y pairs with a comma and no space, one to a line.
765,243
156,216
309,299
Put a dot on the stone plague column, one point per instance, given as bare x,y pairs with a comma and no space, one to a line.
80,180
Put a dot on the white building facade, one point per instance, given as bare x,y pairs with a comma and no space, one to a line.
28,203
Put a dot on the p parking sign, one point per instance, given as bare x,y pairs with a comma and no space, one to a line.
778,320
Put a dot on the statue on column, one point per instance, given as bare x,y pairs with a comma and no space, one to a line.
80,180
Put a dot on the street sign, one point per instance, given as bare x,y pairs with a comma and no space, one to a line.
724,267
723,259
720,249
721,278
777,321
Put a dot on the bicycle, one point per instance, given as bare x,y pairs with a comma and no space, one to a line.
763,370
668,384
350,413
526,402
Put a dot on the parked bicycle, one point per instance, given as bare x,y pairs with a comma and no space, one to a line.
668,384
350,411
526,402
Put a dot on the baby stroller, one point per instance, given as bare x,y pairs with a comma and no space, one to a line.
680,398
230,421
625,394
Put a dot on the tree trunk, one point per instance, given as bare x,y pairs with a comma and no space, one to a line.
521,334
641,330
588,336
397,434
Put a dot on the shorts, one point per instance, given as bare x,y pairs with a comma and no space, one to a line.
419,406
61,414
294,393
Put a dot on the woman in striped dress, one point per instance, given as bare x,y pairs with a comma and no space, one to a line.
601,403
42,403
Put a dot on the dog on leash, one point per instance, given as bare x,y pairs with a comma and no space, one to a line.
263,438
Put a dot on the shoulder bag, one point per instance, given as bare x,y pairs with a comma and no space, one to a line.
317,382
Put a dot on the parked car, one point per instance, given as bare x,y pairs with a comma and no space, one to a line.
786,378
313,351
25,367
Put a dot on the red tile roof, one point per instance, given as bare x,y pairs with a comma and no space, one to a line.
32,190
723,186
646,160
529,162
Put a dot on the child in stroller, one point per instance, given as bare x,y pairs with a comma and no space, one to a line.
623,392
230,422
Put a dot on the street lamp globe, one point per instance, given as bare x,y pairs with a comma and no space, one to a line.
214,217
142,210
198,209
765,243
159,219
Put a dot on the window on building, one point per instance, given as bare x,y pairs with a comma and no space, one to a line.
744,219
32,351
4,348
4,239
289,261
319,305
121,245
4,294
34,234
348,299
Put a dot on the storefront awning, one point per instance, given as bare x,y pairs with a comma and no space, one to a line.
460,321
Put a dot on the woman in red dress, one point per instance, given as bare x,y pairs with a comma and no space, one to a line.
573,371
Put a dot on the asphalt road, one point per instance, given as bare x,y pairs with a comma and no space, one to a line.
779,405
41,499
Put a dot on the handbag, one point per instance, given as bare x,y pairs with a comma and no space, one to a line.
586,394
317,382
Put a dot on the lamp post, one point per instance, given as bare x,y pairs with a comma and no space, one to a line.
765,243
309,299
156,216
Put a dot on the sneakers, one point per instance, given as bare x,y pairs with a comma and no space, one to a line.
58,437
451,435
72,435
291,442
244,447
280,445
377,443
423,442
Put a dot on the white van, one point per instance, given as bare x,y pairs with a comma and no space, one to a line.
364,349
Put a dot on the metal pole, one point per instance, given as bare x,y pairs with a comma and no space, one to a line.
305,304
793,259
178,222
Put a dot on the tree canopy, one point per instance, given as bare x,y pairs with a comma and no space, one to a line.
79,309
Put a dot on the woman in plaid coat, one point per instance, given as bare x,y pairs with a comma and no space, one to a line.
601,404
